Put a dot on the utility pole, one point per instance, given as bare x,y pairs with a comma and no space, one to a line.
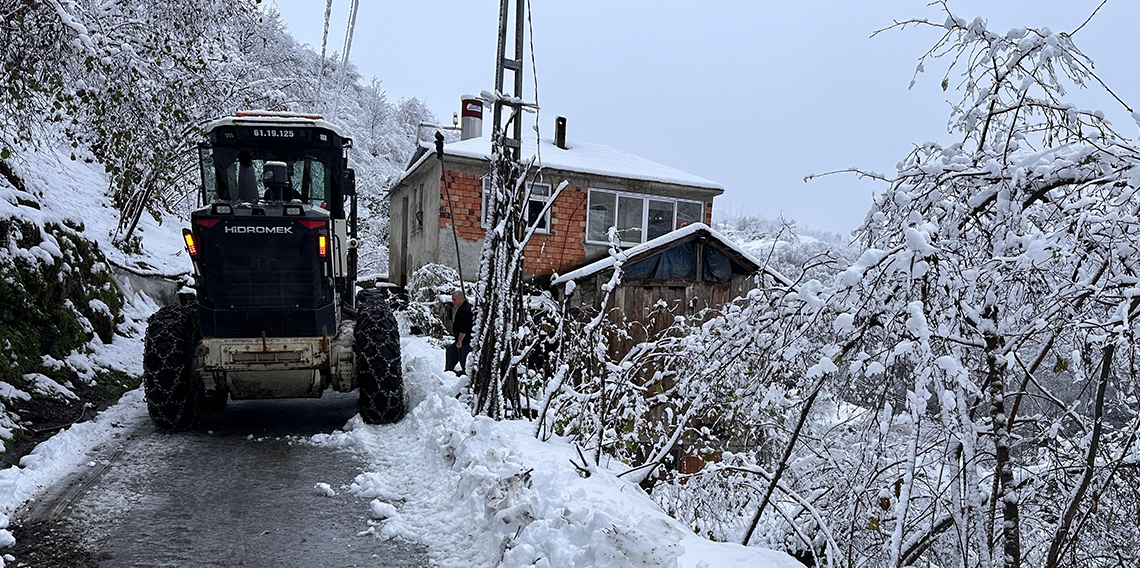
515,65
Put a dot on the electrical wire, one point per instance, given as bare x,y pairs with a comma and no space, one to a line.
324,45
344,58
534,75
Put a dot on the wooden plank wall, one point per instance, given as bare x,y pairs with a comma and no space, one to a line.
636,304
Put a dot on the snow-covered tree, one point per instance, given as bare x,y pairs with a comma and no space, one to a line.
500,344
991,259
919,419
135,82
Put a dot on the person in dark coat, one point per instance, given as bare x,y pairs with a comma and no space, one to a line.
461,329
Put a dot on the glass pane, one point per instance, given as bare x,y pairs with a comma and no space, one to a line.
320,182
231,176
540,190
313,179
209,177
539,195
660,218
418,205
534,210
689,213
631,210
600,216
309,175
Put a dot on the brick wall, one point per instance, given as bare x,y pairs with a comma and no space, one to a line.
560,251
466,191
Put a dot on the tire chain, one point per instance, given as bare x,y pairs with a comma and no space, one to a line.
172,390
379,372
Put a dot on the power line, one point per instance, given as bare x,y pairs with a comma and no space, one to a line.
344,58
534,75
324,44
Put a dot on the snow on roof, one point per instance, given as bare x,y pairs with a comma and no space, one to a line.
597,159
661,242
276,118
425,156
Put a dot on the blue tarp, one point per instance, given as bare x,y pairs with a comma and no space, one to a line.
677,263
718,268
680,263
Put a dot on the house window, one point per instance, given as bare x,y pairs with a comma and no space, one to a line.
630,218
600,215
660,217
638,217
539,195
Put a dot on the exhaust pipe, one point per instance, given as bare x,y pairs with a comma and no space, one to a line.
472,113
560,132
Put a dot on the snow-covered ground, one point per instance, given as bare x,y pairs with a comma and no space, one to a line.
475,491
62,454
487,493
76,190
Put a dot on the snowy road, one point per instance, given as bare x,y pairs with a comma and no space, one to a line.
239,493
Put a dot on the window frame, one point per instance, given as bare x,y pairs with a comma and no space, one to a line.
645,199
485,182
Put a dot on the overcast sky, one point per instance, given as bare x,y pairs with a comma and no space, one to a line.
751,94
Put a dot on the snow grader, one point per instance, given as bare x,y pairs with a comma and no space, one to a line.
275,312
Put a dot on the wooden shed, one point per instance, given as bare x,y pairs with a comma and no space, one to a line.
678,274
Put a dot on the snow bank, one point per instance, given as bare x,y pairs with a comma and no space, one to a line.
61,454
58,190
486,493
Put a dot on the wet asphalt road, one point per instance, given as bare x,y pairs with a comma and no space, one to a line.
239,492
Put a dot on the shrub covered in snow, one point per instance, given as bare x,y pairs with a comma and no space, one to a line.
428,288
57,289
431,281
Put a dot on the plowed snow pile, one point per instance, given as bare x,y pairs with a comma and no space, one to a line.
486,493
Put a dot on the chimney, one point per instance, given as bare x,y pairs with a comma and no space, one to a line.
560,132
472,113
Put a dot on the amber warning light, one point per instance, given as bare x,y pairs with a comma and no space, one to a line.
191,245
322,244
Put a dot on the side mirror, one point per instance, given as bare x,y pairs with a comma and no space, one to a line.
350,182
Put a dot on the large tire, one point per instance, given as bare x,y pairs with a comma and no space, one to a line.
173,392
378,366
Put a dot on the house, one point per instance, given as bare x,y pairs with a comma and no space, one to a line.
607,187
